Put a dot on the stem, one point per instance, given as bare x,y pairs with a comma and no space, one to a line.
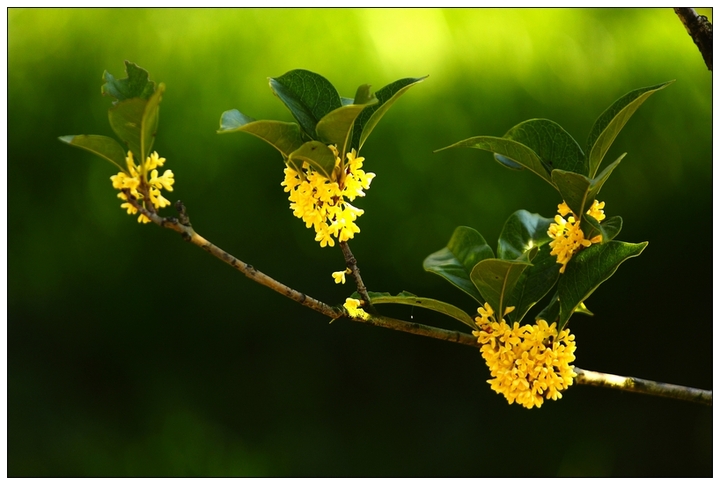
643,386
182,226
351,263
700,29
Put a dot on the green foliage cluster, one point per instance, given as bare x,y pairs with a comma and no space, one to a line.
323,118
524,270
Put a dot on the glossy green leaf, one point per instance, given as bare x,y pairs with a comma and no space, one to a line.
496,280
577,190
369,118
150,119
135,122
455,262
613,119
508,149
363,95
317,154
336,127
521,232
573,188
582,309
555,147
126,121
284,137
589,269
551,312
135,85
534,283
346,101
597,183
106,147
406,298
308,96
612,227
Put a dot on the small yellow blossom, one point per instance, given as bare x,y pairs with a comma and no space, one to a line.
567,236
322,203
340,276
137,176
353,308
528,364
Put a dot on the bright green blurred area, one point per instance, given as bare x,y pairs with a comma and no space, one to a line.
131,352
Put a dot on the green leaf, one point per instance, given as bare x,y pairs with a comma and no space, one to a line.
589,269
522,231
496,280
455,262
555,147
135,122
578,191
126,121
336,127
534,283
612,227
406,298
317,154
284,137
598,182
551,312
135,85
369,118
573,188
150,119
308,96
363,95
581,308
104,146
507,149
613,119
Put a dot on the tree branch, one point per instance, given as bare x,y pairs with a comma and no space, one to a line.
182,225
351,263
700,29
633,384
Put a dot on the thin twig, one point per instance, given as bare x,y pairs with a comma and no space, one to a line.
643,386
700,29
182,226
351,263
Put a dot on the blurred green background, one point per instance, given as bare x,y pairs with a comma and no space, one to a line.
131,352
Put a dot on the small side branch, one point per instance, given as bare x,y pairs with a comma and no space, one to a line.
182,225
633,384
351,263
700,29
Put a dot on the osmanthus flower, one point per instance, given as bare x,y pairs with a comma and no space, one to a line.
323,203
528,363
339,276
568,237
145,176
353,308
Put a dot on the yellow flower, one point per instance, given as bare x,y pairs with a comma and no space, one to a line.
137,176
568,238
322,203
340,276
353,308
528,364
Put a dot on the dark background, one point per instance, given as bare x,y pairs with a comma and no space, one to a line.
131,352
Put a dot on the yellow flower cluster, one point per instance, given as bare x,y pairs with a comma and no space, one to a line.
353,308
567,236
323,203
528,364
137,176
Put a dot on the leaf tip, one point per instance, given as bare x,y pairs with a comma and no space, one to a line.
67,139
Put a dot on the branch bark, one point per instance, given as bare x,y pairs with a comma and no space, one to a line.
700,29
182,225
